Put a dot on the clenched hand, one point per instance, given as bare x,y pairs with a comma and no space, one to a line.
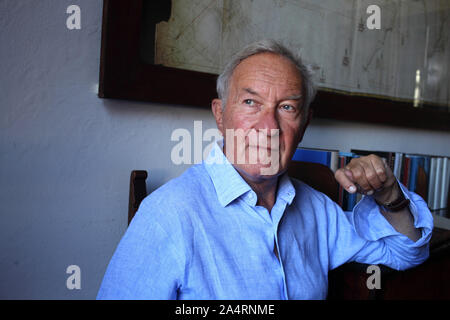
369,175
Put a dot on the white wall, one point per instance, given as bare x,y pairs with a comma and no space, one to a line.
66,155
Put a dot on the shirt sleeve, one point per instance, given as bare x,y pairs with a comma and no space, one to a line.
371,239
146,264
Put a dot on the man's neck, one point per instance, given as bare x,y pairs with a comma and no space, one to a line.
266,190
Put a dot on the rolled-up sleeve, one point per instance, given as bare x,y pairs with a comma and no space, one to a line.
395,249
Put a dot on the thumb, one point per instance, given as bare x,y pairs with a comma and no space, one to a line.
345,178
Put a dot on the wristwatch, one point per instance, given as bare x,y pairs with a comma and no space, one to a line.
398,204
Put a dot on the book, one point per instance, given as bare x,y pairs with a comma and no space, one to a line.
398,165
334,161
427,164
328,158
417,162
341,164
432,183
445,182
404,178
438,184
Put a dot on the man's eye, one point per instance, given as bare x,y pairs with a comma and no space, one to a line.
250,102
288,107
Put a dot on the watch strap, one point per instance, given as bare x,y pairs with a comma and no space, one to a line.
399,204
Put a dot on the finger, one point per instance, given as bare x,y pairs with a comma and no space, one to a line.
345,181
381,168
359,176
390,179
349,175
372,173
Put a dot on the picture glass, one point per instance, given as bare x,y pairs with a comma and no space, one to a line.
398,49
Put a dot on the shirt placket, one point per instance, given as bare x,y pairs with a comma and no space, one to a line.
280,261
272,220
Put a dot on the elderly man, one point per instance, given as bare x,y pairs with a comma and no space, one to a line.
231,230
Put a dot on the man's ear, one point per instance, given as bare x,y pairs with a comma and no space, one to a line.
216,106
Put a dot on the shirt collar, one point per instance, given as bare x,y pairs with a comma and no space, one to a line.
229,184
286,190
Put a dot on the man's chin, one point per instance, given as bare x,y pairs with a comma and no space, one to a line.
258,172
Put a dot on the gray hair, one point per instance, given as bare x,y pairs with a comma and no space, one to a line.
271,46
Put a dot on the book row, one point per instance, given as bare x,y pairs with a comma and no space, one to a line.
426,175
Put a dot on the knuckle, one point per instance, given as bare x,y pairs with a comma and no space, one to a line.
365,165
364,185
382,176
357,173
377,185
374,157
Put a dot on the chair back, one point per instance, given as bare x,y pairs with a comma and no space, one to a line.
317,176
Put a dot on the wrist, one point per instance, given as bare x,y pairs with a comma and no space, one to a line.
388,194
394,201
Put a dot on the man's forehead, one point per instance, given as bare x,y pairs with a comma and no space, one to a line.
267,67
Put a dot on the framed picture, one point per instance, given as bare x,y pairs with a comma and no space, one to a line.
395,73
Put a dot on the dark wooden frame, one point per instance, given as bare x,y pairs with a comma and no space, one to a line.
124,76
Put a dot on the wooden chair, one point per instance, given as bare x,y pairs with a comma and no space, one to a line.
316,175
138,191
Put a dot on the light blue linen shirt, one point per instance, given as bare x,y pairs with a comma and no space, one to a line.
202,236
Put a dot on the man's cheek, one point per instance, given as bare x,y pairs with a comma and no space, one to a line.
274,158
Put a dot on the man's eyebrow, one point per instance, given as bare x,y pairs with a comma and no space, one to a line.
293,97
251,91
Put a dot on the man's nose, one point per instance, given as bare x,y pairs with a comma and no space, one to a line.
268,120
